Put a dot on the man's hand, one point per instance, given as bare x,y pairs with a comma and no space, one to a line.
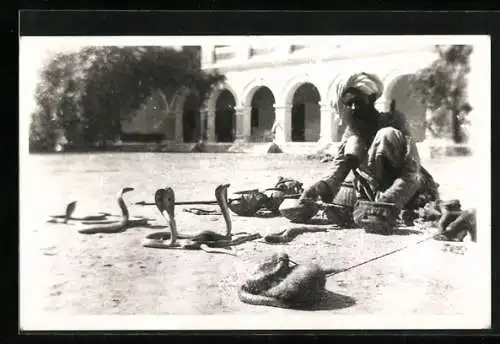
318,190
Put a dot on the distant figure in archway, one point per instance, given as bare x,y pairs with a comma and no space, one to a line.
274,129
379,151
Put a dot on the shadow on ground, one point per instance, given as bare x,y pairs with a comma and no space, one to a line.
406,231
329,301
319,221
399,232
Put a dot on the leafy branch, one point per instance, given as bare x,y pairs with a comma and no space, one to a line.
442,88
84,96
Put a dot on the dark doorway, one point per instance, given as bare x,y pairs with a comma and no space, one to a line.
262,115
298,123
204,134
255,117
306,114
190,126
225,119
224,125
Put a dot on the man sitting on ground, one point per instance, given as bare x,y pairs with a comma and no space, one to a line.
378,149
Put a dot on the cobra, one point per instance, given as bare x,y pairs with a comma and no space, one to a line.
206,240
68,215
118,226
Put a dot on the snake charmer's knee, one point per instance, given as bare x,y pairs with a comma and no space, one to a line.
389,134
390,143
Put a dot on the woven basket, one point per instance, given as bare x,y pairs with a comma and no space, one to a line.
376,217
346,195
340,215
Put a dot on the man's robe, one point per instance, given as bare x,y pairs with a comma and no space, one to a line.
405,183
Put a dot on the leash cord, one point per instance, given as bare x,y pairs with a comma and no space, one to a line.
381,256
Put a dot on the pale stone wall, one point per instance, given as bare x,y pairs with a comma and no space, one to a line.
283,71
284,76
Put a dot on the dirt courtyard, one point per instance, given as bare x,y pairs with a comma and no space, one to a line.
66,274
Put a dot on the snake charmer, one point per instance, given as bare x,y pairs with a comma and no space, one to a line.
376,155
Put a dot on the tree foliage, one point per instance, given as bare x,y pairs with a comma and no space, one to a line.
83,96
442,88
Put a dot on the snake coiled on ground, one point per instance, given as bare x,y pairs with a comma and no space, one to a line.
276,283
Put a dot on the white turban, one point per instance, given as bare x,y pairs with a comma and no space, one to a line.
366,83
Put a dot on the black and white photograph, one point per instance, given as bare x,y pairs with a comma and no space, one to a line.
255,182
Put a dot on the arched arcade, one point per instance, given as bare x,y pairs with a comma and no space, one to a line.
298,109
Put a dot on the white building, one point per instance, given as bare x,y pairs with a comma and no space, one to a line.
288,92
293,87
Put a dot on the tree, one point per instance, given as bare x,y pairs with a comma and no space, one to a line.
442,88
84,96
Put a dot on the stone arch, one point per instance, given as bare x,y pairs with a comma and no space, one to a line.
175,107
210,106
156,117
212,99
331,91
294,83
262,114
400,92
253,86
178,99
392,78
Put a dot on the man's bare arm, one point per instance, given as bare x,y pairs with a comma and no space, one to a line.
405,187
328,186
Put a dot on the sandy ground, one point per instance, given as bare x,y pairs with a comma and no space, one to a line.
64,273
